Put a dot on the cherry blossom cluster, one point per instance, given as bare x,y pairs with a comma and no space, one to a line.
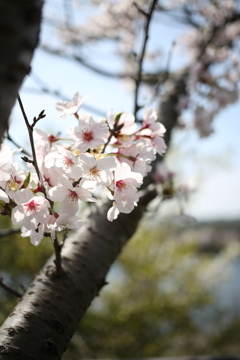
113,154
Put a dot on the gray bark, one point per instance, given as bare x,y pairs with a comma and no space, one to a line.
19,34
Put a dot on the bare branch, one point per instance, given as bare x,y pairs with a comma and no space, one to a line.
88,65
9,289
140,64
30,133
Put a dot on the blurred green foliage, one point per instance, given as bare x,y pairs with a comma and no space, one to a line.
160,300
161,291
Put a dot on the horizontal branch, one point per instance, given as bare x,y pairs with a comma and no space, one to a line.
86,64
9,289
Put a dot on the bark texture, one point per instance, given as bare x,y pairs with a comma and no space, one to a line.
19,34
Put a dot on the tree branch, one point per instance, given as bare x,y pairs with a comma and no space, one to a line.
140,63
9,289
85,63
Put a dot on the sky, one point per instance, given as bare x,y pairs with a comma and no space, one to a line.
214,162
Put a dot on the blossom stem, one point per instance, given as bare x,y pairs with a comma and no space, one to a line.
30,132
108,141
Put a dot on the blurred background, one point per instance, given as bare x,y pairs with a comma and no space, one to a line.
174,290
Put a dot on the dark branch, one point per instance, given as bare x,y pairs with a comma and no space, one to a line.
30,133
9,289
87,64
140,64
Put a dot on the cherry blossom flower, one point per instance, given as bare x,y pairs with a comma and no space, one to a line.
153,131
70,107
156,140
99,171
30,210
66,222
65,160
150,122
69,196
35,235
138,157
88,134
125,190
45,138
59,222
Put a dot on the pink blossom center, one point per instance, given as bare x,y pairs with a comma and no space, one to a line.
121,185
72,196
31,206
94,172
67,162
52,138
87,135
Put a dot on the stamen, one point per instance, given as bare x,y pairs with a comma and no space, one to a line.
87,135
121,185
31,206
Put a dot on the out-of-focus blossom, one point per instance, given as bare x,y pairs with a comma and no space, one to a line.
70,107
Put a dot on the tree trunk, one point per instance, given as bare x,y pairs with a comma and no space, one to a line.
19,34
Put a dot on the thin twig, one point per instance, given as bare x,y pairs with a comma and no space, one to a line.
9,289
108,141
86,63
30,132
140,64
